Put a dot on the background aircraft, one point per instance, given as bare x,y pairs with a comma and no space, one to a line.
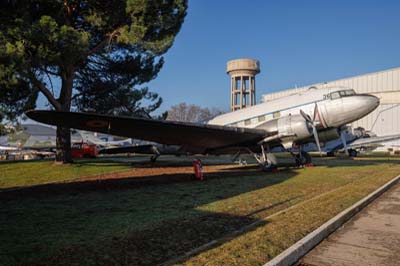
151,148
103,142
358,140
289,122
33,141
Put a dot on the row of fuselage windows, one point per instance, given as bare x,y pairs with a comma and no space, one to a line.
259,119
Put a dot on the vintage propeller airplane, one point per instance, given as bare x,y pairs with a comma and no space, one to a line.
316,115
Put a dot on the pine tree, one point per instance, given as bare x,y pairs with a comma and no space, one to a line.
83,55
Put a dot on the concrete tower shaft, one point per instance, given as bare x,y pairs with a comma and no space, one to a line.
243,82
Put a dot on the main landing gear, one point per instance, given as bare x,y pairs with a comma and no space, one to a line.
267,160
269,163
154,157
302,158
352,153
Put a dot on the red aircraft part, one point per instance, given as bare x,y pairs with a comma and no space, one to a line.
84,150
198,169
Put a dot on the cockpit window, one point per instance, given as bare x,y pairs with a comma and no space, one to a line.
338,94
335,95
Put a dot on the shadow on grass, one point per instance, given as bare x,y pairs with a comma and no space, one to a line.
285,165
125,183
153,246
134,221
128,221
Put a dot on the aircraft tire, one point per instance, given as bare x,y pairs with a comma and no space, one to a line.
268,167
352,153
330,154
271,158
271,163
304,159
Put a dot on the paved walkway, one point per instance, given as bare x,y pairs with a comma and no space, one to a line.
372,237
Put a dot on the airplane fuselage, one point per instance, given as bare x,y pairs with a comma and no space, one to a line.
334,108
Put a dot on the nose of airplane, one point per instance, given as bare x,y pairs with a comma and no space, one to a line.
361,105
370,102
349,109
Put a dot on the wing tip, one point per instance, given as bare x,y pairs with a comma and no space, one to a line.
31,113
37,115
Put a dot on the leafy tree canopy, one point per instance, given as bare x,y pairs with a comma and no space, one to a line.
93,47
84,55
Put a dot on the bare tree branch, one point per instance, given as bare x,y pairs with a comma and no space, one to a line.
191,113
106,41
45,69
45,91
51,83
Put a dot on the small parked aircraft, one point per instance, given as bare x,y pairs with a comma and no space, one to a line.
289,122
4,146
7,148
358,140
104,143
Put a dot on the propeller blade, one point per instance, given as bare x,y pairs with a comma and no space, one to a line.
316,138
315,112
314,128
305,116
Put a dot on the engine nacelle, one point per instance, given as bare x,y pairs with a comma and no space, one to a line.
291,126
328,135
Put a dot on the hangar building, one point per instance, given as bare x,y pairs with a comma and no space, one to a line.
385,120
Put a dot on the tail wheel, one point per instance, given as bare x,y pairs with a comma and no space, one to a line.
352,153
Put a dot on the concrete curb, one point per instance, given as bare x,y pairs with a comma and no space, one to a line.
303,246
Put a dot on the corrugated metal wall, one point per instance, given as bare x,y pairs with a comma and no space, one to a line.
385,120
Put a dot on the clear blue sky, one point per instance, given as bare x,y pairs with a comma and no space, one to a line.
297,42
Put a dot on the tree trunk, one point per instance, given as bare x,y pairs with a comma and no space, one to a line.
63,145
63,141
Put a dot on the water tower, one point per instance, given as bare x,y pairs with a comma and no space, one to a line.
243,82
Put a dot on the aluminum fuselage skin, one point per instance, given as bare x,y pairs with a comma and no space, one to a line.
331,113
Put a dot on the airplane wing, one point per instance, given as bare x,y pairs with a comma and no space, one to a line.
199,137
372,141
8,148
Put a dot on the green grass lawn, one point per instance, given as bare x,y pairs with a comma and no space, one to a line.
28,173
148,225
